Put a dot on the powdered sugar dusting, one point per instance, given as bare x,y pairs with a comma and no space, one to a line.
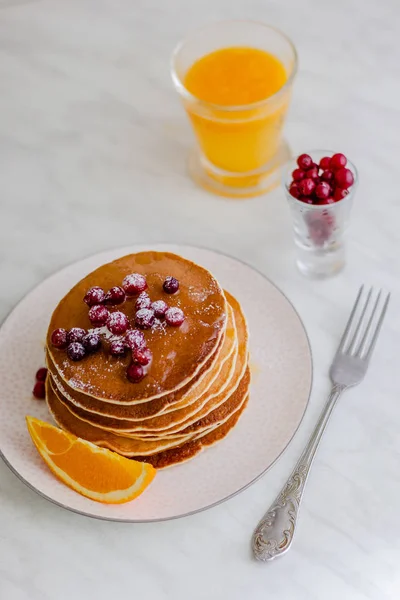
106,334
160,308
118,322
197,295
144,318
76,383
134,283
133,279
143,301
175,316
160,326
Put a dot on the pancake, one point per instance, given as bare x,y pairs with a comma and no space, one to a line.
125,446
179,353
206,416
215,397
139,411
202,384
163,421
179,399
131,448
195,387
167,403
171,424
200,420
181,454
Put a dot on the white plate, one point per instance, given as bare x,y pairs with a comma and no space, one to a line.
281,382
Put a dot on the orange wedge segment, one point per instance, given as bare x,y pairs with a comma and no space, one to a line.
97,473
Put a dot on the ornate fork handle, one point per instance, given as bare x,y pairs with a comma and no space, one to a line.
274,533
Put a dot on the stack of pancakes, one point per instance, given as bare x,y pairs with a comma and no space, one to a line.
197,383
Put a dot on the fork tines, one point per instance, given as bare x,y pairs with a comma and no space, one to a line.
364,324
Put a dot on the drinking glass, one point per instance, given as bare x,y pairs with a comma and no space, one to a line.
240,148
320,230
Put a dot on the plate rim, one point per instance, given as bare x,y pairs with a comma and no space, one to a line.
217,502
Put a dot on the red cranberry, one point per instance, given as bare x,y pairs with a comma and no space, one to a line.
171,285
118,348
160,308
298,174
144,318
306,187
327,175
118,322
294,190
329,200
143,301
328,218
304,161
98,315
134,284
76,334
39,390
94,296
306,200
324,163
59,338
142,356
323,190
319,233
344,178
41,374
312,173
174,316
340,194
135,373
91,342
76,351
115,296
134,339
320,227
338,161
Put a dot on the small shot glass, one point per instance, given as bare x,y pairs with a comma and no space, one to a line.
320,229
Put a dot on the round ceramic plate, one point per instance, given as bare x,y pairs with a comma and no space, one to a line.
281,364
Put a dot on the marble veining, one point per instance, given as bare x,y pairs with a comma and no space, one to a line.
93,146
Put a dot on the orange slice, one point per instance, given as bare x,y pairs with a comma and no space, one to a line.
94,472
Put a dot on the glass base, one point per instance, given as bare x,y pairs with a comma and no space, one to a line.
318,264
238,185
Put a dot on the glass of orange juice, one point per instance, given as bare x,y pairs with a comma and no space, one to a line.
235,80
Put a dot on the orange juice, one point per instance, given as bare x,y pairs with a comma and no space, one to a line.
237,131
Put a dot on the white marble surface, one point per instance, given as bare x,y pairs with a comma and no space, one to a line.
92,155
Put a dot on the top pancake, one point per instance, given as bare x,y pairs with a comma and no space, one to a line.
178,353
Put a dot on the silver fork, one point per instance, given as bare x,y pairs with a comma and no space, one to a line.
274,533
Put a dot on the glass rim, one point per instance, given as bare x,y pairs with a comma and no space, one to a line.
240,107
318,207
